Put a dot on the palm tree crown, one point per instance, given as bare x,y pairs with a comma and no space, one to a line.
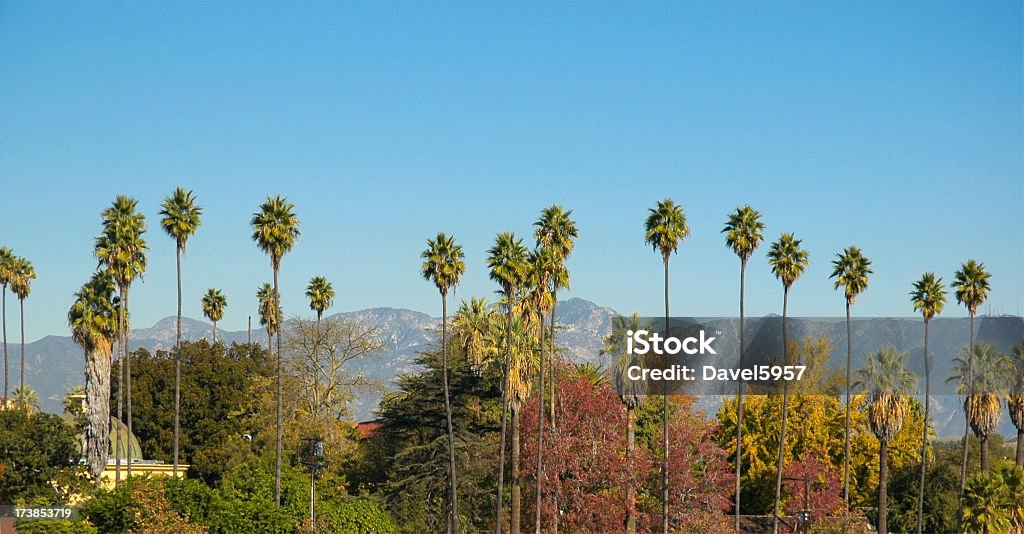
851,270
989,370
6,261
320,294
631,392
507,262
743,231
887,381
93,316
557,230
473,325
787,260
24,273
971,285
442,262
181,216
665,227
928,295
121,247
275,228
214,303
267,298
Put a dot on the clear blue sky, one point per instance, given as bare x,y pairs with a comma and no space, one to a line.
895,126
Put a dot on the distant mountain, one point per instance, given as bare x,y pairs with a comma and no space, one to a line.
55,363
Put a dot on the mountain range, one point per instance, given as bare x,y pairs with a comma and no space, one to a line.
54,364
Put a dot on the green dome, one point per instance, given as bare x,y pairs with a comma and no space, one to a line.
132,441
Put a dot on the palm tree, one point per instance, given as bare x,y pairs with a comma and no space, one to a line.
275,228
980,376
27,399
21,285
631,392
506,260
522,365
6,276
665,229
851,270
743,235
929,298
971,287
181,219
1015,400
443,265
321,296
214,303
93,322
557,231
472,324
121,249
887,381
267,298
788,261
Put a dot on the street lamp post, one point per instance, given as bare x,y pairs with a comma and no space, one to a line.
315,460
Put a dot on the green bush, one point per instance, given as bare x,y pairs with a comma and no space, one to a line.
356,516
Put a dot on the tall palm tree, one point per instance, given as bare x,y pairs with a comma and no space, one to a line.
443,265
887,382
93,322
275,228
631,392
181,218
506,260
1015,400
6,276
214,303
743,233
788,261
121,250
556,230
267,298
21,285
665,229
851,270
522,365
321,296
980,376
929,298
971,287
472,324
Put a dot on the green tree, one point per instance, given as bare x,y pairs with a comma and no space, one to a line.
21,285
320,295
929,298
743,234
472,327
970,286
1015,400
887,382
275,228
788,261
93,322
266,297
443,265
121,250
851,270
665,229
6,277
506,260
214,303
37,450
631,392
980,377
26,398
181,217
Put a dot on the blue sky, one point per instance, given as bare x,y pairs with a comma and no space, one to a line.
894,126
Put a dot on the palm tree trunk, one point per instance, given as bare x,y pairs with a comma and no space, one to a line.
504,408
552,364
97,394
984,454
785,413
453,495
177,365
967,422
540,433
846,454
739,401
924,432
21,305
514,521
1020,447
127,381
119,446
883,486
664,425
4,298
215,332
280,393
631,491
